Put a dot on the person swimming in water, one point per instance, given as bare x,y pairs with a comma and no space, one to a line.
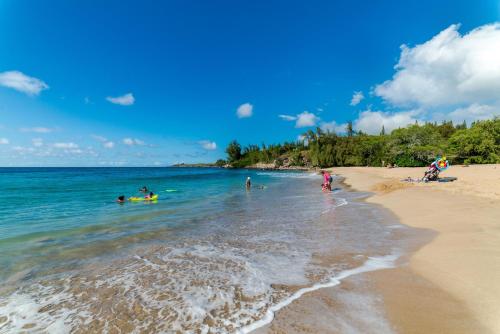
149,196
121,199
144,189
248,183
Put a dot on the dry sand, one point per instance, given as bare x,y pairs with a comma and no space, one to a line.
450,285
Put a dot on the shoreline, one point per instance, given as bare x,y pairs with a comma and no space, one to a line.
448,284
421,289
258,166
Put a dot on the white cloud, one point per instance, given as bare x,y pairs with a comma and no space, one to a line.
132,141
69,145
4,141
302,120
99,138
474,112
287,117
22,83
333,127
371,122
37,129
124,100
449,69
105,142
245,110
23,150
306,119
356,98
112,163
449,77
109,144
139,142
37,142
208,145
58,150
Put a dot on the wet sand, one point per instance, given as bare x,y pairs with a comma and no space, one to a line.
448,285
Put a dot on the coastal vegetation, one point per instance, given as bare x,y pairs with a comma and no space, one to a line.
413,146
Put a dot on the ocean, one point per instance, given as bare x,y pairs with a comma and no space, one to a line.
208,257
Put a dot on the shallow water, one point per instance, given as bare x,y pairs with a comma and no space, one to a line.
207,256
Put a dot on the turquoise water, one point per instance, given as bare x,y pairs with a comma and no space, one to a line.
55,212
208,256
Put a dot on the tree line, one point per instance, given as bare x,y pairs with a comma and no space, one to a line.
413,146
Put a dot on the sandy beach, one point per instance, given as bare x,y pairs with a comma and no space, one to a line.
448,285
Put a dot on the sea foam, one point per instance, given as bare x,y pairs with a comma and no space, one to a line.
372,264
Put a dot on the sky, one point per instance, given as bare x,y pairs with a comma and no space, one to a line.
152,83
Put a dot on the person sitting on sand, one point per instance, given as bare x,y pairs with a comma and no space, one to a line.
121,199
432,173
248,183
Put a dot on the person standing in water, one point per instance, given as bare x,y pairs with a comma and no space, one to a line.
327,180
248,183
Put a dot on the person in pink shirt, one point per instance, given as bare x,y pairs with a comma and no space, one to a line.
327,181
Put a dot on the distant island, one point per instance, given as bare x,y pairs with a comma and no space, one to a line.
195,165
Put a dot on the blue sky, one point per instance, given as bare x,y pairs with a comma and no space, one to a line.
133,83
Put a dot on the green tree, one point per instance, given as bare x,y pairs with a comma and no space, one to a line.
220,163
233,151
446,129
349,129
462,126
382,132
478,144
414,145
